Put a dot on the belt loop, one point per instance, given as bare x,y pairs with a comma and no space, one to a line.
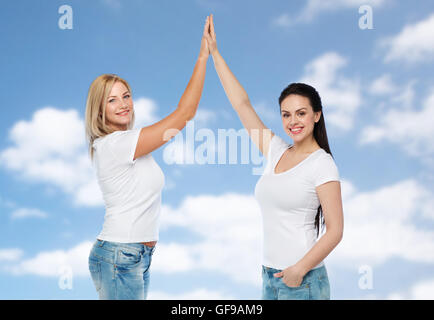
101,243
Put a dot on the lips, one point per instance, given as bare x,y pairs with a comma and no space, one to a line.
296,130
123,113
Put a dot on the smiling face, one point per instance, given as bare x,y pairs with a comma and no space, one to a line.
298,117
119,107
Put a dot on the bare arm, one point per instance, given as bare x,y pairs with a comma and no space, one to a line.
154,136
238,97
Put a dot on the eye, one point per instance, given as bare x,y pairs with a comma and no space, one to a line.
301,113
111,100
127,96
285,115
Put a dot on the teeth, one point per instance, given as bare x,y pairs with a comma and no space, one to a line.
296,130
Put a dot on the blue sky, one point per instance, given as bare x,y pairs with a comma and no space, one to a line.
378,96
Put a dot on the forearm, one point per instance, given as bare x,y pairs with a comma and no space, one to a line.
233,89
319,251
190,98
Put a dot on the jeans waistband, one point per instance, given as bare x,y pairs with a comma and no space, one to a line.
273,270
111,246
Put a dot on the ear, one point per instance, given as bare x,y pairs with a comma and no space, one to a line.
317,116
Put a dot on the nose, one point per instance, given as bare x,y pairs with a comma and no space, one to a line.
292,121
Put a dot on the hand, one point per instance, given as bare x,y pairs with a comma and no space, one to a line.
204,49
210,36
292,276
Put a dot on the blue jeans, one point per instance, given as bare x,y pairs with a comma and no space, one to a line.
315,286
120,270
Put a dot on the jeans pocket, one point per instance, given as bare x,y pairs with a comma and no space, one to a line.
302,292
95,272
127,259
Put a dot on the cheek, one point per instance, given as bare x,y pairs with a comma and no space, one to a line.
310,121
110,112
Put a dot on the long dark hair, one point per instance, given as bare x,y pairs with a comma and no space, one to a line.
319,130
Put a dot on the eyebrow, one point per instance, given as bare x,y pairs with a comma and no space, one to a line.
295,110
122,94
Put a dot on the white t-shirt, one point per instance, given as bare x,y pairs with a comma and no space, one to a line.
289,204
131,188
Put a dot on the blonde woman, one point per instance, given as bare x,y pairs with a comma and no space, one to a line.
300,184
130,180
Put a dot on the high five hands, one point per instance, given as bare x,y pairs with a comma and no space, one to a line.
209,35
209,43
204,50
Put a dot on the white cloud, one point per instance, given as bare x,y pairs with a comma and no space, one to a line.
340,95
383,85
145,112
282,20
266,112
415,43
420,291
51,148
10,254
379,225
197,294
7,203
314,8
23,213
230,228
50,263
204,116
411,129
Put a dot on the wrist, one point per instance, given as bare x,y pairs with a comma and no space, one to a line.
215,52
202,58
301,269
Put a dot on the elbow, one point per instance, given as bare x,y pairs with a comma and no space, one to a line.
190,115
339,235
244,103
336,235
187,113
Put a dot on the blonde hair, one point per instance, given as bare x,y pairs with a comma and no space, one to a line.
96,102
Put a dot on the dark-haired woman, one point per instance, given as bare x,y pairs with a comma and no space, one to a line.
298,192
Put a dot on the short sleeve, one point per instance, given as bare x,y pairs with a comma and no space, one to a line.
122,144
326,170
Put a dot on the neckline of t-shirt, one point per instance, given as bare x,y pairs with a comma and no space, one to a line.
297,165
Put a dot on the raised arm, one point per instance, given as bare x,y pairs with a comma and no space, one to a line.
238,97
157,134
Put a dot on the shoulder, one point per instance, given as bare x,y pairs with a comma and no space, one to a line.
324,162
323,157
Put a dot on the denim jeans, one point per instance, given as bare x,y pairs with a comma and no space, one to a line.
315,286
120,270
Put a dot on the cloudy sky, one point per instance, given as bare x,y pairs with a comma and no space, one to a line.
371,62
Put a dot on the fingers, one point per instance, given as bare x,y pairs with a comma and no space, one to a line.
206,34
278,275
212,27
206,27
